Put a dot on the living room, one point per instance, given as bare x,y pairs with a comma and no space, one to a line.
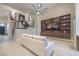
38,21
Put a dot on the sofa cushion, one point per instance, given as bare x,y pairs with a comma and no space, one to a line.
41,38
27,35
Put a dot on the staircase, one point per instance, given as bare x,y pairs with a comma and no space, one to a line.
23,23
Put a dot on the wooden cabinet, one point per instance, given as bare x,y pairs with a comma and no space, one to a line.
57,27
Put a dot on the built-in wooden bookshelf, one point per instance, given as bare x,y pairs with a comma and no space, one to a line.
57,27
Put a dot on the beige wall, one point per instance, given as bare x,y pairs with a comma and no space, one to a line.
58,10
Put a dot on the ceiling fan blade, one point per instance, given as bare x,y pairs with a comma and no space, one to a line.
40,6
41,13
44,9
34,7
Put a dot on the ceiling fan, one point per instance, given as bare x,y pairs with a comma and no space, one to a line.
38,9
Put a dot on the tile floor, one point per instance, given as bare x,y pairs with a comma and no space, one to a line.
13,48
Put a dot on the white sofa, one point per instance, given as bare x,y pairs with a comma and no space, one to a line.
37,44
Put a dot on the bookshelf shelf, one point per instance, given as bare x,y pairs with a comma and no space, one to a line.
57,27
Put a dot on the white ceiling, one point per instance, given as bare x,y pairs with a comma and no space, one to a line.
27,7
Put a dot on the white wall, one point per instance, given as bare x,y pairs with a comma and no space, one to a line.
77,21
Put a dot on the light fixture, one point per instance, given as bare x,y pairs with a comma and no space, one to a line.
38,9
37,12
